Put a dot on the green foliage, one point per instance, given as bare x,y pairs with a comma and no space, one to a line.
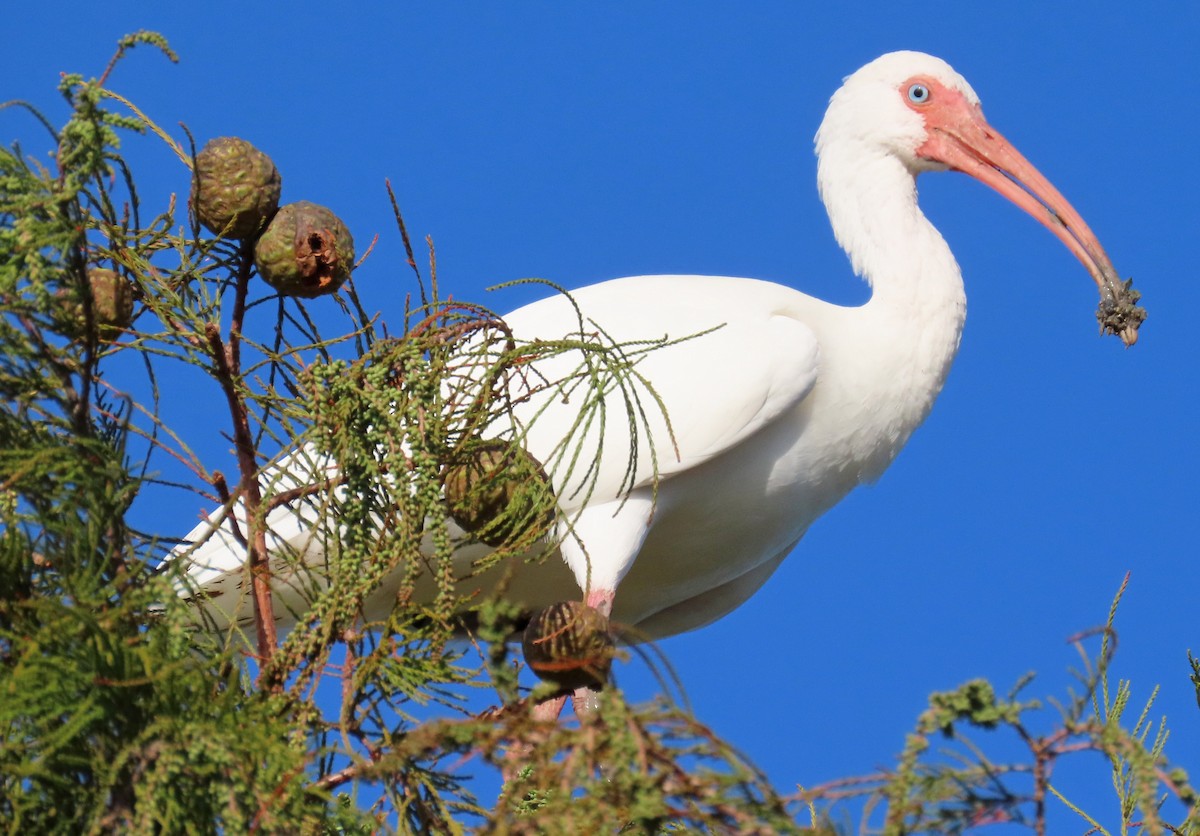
952,790
127,707
660,770
118,713
110,719
1195,663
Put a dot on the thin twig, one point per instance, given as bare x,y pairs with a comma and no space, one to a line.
227,361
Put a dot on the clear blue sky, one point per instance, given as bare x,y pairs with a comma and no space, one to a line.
578,142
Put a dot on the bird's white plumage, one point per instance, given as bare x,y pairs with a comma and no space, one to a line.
748,359
752,361
778,413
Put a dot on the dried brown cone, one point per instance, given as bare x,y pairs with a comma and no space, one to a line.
112,301
499,493
305,251
235,188
112,305
570,645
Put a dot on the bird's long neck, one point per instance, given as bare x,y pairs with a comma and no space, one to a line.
871,198
907,334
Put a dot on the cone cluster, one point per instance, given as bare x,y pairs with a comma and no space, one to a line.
300,249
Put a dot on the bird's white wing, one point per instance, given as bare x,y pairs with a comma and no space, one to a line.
747,361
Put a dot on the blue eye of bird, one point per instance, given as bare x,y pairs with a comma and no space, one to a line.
918,94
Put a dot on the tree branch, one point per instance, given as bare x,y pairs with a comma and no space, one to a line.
227,365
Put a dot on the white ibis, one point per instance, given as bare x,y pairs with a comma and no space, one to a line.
787,406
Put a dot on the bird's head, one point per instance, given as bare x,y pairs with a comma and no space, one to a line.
918,110
896,103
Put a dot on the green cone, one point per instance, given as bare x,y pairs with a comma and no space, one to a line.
306,251
495,492
235,188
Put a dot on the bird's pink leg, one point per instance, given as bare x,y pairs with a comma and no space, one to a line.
602,600
518,752
616,531
517,755
586,700
549,710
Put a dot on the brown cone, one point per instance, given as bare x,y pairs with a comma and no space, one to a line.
305,251
495,492
569,644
